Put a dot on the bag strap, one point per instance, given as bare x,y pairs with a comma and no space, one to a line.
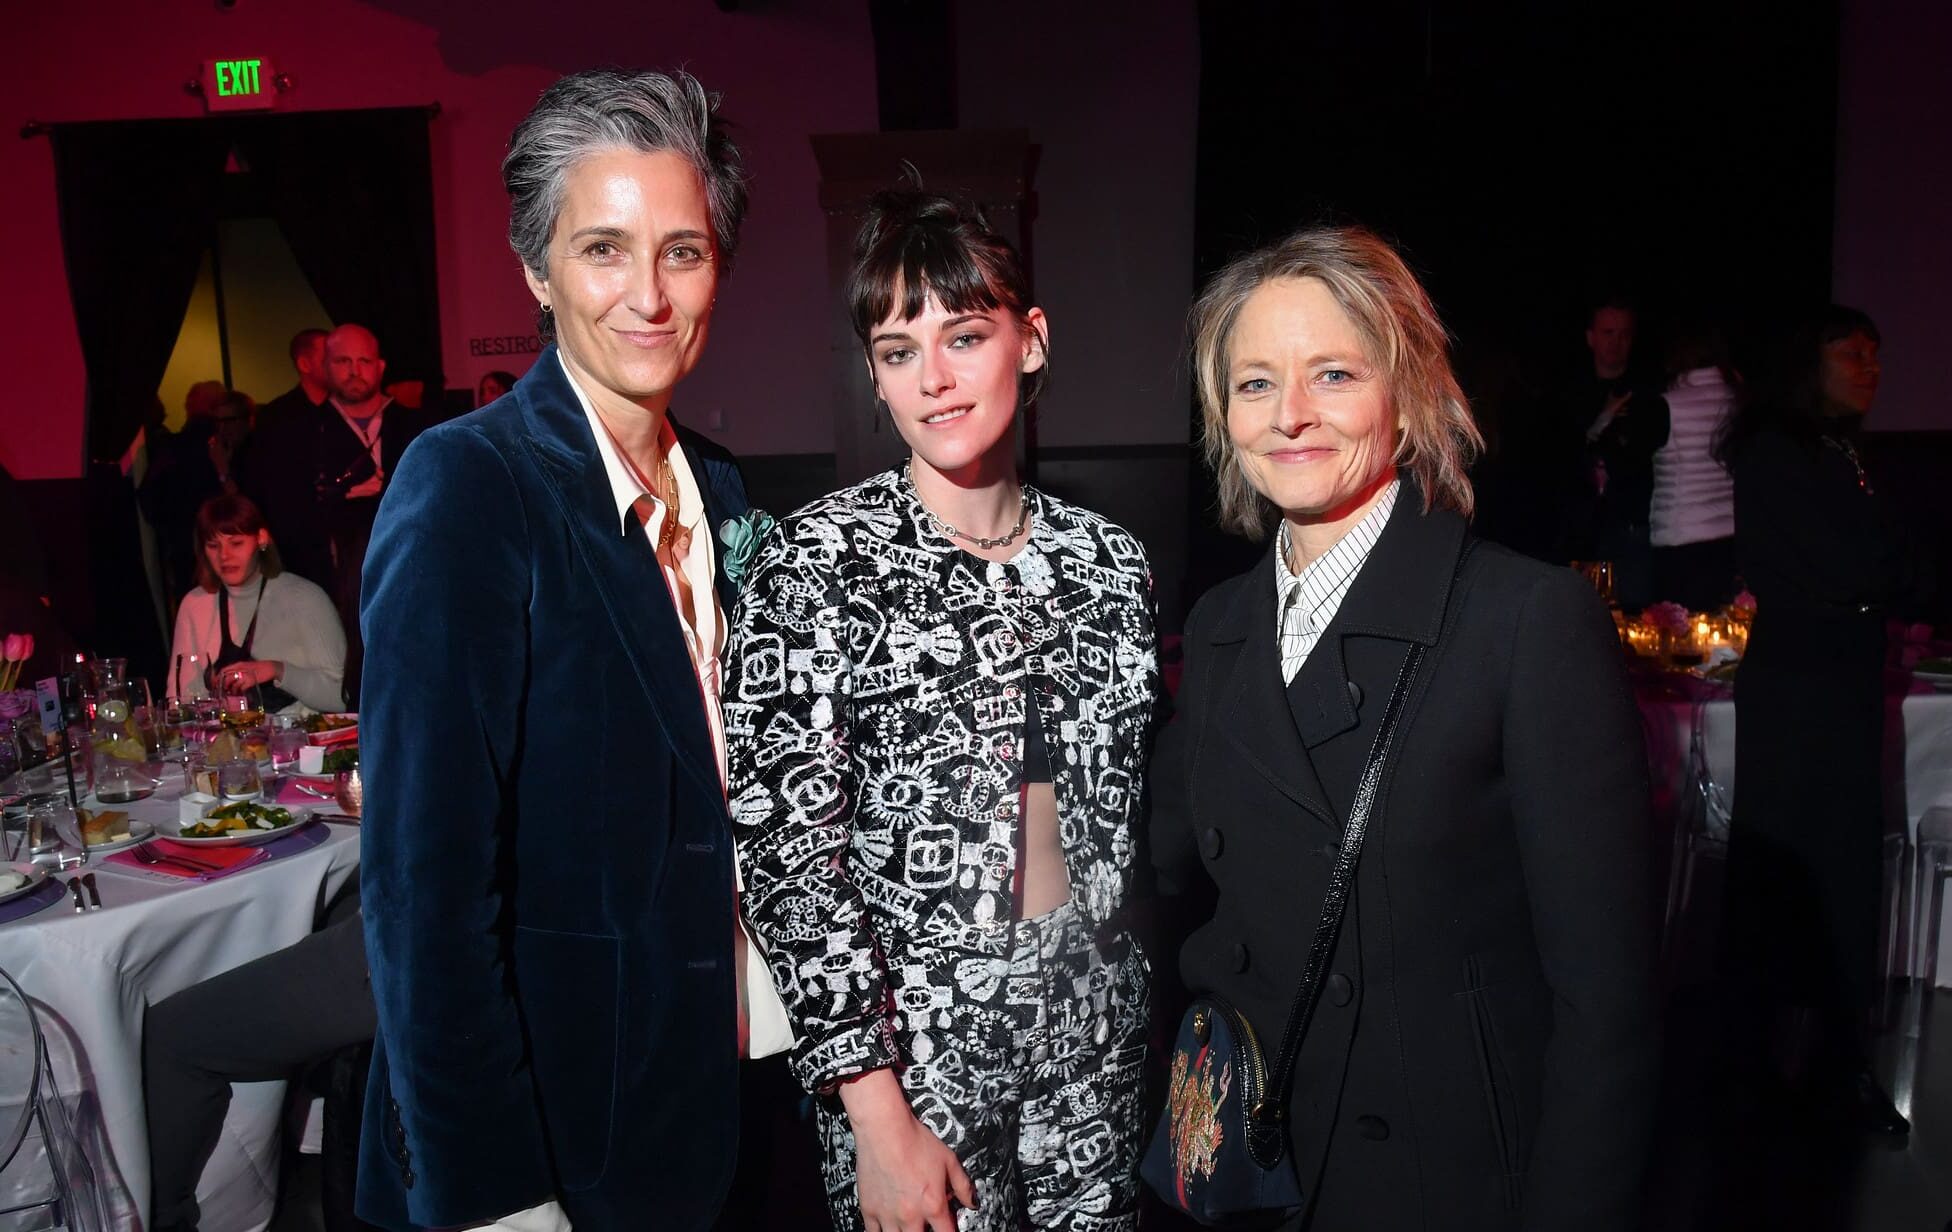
1266,1121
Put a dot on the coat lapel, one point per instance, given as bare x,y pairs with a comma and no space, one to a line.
1260,724
724,500
1398,599
622,566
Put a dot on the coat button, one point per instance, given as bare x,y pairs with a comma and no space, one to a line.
1374,1128
1210,842
1355,695
1240,956
1330,850
1340,988
407,1178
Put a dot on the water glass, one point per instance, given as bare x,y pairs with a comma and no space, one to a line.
238,780
287,738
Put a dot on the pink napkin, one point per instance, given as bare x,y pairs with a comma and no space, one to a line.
222,861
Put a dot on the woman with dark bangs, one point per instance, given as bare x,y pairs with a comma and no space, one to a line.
939,693
249,625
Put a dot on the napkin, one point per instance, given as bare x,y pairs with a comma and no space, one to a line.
224,860
289,792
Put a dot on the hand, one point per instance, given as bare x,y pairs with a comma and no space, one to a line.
904,1173
238,677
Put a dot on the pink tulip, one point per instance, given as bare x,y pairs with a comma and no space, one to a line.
26,647
16,648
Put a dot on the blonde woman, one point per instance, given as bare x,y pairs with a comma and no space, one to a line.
1482,1051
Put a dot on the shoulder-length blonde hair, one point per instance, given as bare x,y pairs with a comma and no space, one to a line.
1438,439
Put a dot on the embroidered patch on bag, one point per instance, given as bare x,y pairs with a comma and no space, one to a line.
1195,1099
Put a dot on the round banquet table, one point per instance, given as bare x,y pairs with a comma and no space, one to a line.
1917,763
92,976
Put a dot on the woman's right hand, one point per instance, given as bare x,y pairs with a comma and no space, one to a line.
903,1172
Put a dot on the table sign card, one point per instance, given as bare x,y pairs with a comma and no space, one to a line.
48,693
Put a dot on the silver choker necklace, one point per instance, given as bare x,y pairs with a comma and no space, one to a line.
942,524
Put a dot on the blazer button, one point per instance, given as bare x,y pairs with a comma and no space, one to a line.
406,1178
1330,850
1240,956
1211,842
1355,695
1340,989
1374,1128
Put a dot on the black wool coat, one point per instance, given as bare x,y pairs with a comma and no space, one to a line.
1485,1051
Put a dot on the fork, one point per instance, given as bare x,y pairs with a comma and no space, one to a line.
144,855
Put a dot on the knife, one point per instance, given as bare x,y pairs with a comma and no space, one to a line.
94,893
74,887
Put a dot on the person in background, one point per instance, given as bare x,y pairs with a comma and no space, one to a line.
1691,514
559,988
361,437
309,394
187,468
279,468
1485,1051
265,1021
493,385
249,625
1829,560
1621,420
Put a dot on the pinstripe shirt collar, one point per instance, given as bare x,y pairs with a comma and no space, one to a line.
1305,602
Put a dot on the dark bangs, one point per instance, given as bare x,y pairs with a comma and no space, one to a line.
914,245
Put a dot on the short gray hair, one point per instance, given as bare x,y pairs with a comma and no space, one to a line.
585,113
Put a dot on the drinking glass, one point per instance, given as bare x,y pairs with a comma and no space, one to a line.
238,780
287,737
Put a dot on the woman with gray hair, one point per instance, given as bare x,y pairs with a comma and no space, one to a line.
552,937
1417,756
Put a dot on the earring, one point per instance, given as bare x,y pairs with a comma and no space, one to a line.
548,308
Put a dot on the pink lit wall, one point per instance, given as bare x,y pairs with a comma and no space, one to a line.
1893,251
791,68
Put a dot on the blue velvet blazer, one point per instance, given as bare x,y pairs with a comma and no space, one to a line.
546,864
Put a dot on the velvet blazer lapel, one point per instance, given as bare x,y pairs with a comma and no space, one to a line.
622,565
724,500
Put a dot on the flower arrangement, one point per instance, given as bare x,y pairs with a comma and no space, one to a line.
15,651
1669,617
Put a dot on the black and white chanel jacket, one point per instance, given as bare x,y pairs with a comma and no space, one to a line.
876,690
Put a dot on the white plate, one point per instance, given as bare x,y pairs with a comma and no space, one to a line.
35,876
245,838
1938,680
139,832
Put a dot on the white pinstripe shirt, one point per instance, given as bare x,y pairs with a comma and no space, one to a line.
1305,602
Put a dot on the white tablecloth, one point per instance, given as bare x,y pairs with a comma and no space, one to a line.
93,975
1918,763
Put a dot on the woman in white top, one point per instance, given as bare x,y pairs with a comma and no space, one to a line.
250,625
1692,514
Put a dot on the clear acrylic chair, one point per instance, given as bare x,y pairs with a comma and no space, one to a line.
42,1164
1932,865
1700,833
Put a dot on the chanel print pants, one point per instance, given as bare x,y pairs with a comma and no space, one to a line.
1034,1081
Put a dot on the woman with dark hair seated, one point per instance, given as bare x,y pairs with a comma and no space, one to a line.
251,626
1827,556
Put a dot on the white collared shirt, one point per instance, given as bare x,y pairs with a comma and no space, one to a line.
638,505
768,1028
1305,602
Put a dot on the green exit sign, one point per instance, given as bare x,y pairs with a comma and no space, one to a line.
239,85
